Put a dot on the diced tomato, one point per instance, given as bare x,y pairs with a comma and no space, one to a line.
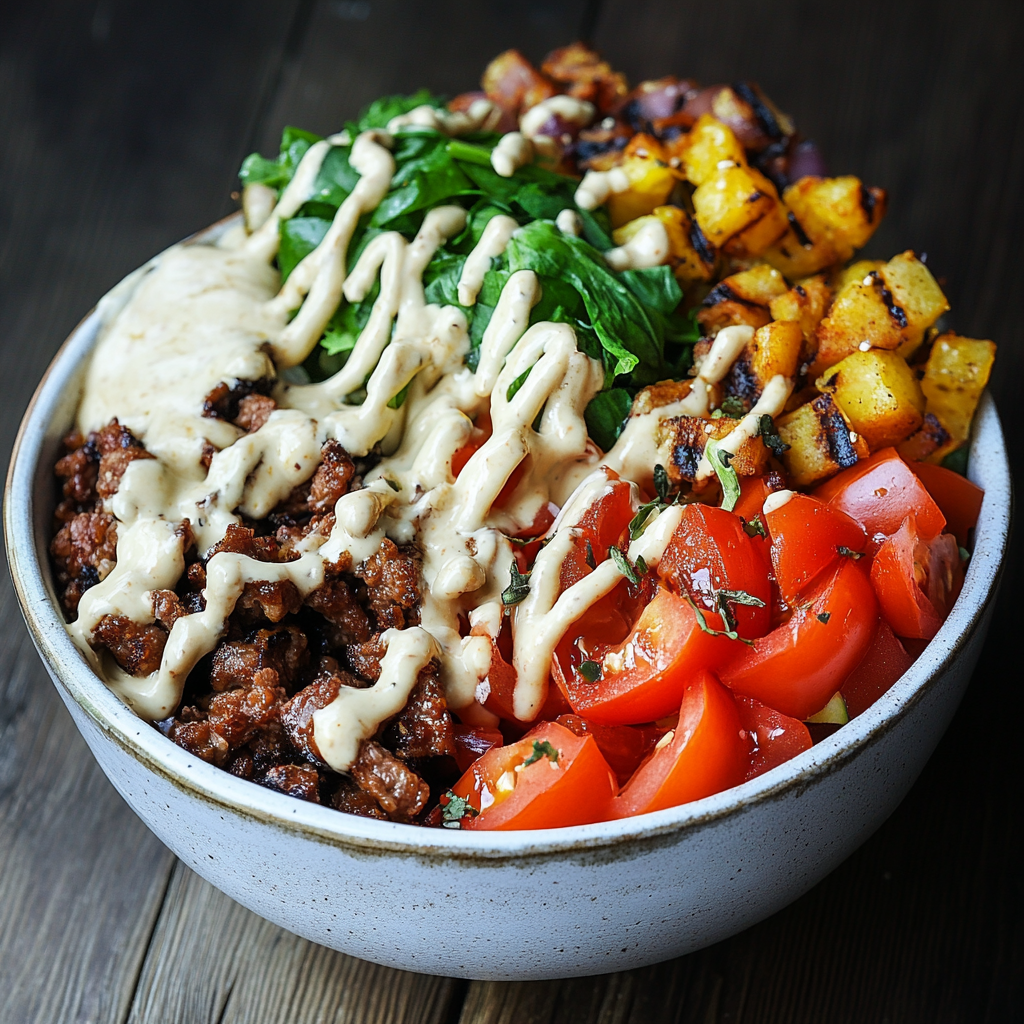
496,693
916,580
774,738
807,535
880,492
799,666
644,677
710,552
750,507
473,741
603,526
959,499
624,746
705,753
550,778
884,663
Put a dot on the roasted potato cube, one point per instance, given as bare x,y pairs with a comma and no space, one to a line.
858,319
954,377
738,209
741,299
855,272
839,211
917,294
804,303
682,439
651,180
707,145
879,394
773,351
925,443
690,263
820,442
796,258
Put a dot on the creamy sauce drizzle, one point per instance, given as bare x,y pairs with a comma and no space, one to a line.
203,314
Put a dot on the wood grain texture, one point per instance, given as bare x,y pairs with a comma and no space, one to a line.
212,962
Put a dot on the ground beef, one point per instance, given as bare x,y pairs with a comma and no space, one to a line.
249,705
136,648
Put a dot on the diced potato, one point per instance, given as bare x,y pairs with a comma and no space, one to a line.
917,294
708,144
879,394
738,210
773,351
798,259
805,303
741,299
651,180
925,442
954,377
856,272
839,211
820,442
690,263
858,317
682,439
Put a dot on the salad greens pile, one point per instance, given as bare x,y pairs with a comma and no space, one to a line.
629,320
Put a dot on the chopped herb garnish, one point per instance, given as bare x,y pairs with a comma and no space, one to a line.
732,405
723,598
518,587
849,552
717,414
542,749
770,436
702,622
623,564
457,808
965,555
641,565
590,670
823,617
661,482
754,527
720,458
643,513
591,560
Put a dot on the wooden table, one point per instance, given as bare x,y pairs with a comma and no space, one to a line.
122,124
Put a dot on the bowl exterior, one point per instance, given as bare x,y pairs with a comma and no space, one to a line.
603,897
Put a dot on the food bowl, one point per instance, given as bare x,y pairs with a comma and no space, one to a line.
515,905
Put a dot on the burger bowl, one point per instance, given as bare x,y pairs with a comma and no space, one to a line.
503,905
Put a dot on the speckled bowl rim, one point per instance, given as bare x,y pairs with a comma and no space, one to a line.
237,796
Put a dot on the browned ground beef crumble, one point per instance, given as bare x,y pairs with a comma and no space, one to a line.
248,706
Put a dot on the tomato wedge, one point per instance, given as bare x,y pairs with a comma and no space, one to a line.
885,661
624,746
774,738
550,778
799,666
880,493
473,741
644,677
705,753
959,499
602,526
497,691
916,580
710,552
807,538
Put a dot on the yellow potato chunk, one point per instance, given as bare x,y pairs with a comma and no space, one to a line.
821,442
954,377
917,293
879,395
651,180
804,303
798,259
773,351
689,264
682,440
741,299
859,317
837,211
708,144
738,209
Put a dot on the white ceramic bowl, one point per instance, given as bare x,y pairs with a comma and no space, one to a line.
585,900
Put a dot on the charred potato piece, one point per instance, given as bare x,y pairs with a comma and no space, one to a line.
773,351
693,259
840,212
917,294
954,377
682,440
805,303
739,211
741,298
926,442
651,180
707,145
879,395
821,442
583,74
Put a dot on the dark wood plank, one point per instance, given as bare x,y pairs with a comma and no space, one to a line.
123,125
924,922
212,961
